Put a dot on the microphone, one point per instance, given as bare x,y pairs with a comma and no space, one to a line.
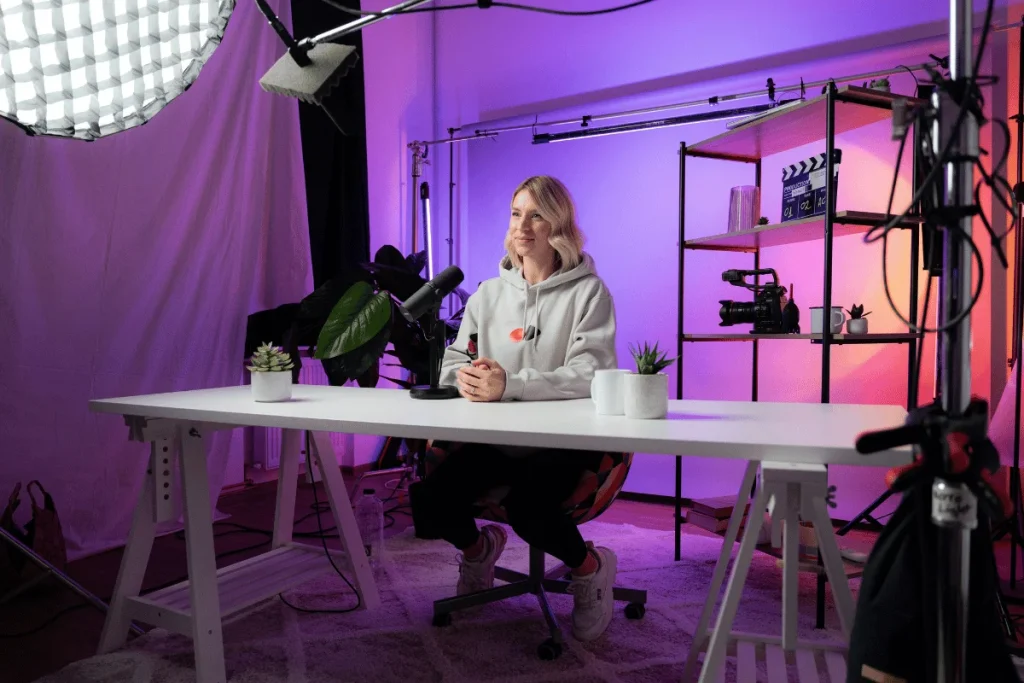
427,300
430,295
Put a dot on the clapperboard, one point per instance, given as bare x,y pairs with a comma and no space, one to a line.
803,187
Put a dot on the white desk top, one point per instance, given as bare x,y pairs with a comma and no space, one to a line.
787,432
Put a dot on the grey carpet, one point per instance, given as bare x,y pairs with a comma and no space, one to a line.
272,642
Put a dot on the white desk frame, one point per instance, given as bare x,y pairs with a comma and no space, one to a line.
197,606
812,434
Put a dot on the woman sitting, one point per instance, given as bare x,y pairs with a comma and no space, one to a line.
536,332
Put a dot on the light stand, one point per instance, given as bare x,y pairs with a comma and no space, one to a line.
954,505
953,415
1018,319
437,346
49,570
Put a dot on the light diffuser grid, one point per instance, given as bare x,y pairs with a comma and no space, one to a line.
89,68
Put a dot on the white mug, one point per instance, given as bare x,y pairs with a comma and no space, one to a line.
838,318
607,391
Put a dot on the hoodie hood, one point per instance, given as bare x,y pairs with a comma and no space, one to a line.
514,276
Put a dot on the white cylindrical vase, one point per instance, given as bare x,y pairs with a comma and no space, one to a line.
270,387
646,396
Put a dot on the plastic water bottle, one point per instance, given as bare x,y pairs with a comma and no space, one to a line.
370,519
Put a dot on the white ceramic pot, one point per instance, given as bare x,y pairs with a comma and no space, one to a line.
269,387
646,396
857,326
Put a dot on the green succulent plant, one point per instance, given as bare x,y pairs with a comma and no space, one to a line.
649,360
270,358
857,311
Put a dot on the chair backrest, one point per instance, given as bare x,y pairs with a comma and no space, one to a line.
595,492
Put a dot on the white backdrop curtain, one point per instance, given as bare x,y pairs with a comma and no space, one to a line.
128,265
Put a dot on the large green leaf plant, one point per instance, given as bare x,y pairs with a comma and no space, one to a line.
352,322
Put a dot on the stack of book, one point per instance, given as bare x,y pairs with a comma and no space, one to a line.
713,514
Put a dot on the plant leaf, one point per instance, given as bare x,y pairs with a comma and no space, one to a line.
399,382
388,255
416,262
315,308
369,378
357,318
348,366
398,280
411,348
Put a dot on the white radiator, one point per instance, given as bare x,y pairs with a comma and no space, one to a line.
263,445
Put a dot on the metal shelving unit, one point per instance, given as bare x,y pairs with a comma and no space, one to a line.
841,109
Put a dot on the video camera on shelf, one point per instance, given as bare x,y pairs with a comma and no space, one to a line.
766,312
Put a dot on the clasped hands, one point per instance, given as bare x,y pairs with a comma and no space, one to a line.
482,380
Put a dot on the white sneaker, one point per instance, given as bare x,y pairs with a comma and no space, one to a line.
478,575
593,601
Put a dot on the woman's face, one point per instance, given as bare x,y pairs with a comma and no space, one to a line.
530,232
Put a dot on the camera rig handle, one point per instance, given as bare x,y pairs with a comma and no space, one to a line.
738,278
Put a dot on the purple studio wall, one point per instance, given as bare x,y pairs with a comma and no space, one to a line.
504,67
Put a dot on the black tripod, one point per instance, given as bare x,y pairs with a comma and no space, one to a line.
949,497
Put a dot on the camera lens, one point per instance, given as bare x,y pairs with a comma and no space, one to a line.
737,312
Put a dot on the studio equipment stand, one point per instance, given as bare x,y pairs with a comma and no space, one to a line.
51,571
948,499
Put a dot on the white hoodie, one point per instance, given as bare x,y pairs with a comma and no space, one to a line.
549,337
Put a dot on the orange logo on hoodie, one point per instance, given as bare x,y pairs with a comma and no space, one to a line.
516,335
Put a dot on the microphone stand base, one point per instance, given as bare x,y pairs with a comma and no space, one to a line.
434,393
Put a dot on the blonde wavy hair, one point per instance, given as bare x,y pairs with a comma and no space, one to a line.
556,207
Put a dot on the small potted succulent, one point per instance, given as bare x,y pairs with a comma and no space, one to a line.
271,370
857,324
646,390
880,84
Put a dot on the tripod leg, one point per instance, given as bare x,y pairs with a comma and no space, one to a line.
1004,616
50,570
1015,497
865,514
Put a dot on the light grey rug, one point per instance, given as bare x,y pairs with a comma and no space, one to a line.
272,643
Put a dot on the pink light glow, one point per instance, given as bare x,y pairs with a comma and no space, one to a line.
492,64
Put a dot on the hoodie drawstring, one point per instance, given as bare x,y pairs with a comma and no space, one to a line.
526,308
536,320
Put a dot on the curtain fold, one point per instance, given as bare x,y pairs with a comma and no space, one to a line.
129,265
337,194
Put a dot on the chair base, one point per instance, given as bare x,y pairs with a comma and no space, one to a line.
539,583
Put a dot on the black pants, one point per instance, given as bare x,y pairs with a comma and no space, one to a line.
444,503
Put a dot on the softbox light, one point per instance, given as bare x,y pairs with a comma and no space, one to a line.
89,68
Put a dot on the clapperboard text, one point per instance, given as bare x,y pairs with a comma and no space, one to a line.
803,187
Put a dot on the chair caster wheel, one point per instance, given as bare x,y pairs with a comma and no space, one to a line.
549,650
441,620
635,610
